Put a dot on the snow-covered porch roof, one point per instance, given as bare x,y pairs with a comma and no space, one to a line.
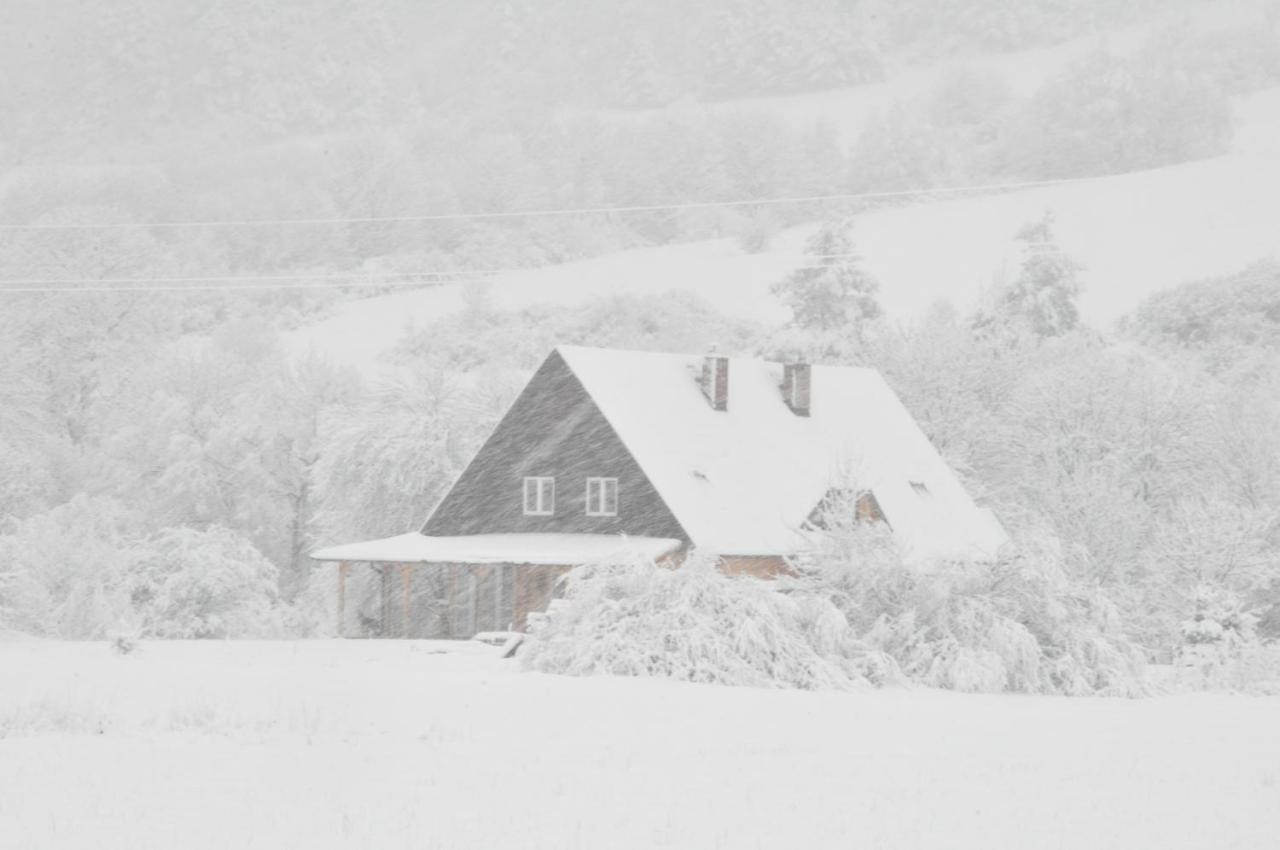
540,549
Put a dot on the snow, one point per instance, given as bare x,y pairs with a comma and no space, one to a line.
1135,234
555,549
743,480
358,744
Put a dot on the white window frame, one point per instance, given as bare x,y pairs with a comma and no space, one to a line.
598,501
543,492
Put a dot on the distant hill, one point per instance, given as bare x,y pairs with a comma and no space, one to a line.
1135,234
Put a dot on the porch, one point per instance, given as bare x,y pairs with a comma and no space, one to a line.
414,586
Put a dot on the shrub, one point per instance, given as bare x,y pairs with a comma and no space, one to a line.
695,624
1220,647
1018,624
1250,669
188,583
61,572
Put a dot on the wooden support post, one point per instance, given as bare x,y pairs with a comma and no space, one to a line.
343,567
520,604
406,584
448,601
385,625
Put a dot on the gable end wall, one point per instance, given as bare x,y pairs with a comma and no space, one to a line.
554,428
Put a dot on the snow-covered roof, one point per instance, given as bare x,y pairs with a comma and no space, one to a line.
559,549
744,480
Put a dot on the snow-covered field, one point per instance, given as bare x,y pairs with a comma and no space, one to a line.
394,745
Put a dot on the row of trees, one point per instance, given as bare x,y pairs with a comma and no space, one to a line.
1106,113
84,76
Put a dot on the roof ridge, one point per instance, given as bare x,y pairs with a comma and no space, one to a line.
742,358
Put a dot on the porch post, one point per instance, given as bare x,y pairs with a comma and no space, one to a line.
448,595
520,604
406,577
385,626
343,567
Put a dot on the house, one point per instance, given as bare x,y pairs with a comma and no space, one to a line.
611,454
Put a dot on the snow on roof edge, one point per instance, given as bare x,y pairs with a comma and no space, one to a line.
536,549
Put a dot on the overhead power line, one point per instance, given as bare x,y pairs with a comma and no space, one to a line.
563,211
359,278
423,284
239,287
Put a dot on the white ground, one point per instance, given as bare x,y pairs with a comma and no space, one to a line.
386,745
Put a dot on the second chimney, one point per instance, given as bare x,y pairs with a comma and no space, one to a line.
715,380
797,382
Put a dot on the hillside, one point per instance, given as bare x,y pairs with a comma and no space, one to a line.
1135,234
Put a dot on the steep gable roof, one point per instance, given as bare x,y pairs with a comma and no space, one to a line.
745,480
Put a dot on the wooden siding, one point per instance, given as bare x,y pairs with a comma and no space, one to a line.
758,566
535,588
555,429
866,508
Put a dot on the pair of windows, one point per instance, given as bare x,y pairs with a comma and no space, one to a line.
540,496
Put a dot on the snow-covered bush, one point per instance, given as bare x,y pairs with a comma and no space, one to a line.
696,624
1018,624
187,583
1221,622
1250,669
62,571
1221,649
85,571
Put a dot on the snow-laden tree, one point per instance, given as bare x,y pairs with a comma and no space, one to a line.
63,572
955,388
832,292
696,624
1021,623
382,464
1230,323
188,583
1099,442
1212,563
26,446
76,345
309,393
1044,295
198,445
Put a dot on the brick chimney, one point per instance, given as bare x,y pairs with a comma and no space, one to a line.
797,383
715,380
